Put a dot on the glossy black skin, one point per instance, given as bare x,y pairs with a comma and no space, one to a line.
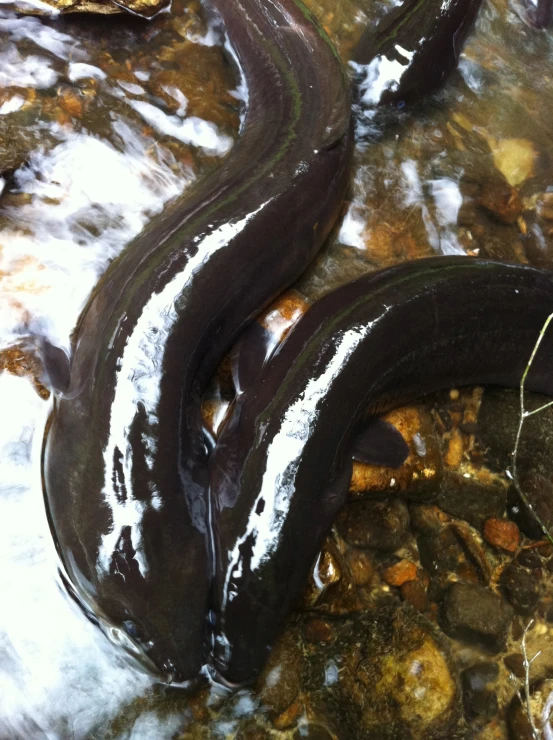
124,455
433,31
412,329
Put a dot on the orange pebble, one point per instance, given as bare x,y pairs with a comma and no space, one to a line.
400,573
502,533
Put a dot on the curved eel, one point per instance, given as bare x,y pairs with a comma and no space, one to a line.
124,454
281,468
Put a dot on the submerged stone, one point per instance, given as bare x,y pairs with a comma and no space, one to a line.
475,615
379,525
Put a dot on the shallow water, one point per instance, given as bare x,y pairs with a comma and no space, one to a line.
112,118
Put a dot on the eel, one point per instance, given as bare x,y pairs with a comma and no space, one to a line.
412,51
124,452
282,465
125,456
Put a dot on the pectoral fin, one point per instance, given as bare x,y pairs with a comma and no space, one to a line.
380,443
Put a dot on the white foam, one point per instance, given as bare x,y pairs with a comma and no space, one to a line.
192,130
46,643
380,75
11,105
31,71
80,70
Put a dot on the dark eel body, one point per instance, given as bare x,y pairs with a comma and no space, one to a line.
124,456
419,43
282,465
124,450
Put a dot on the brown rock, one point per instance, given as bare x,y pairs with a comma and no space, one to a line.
501,199
361,567
514,662
416,592
400,573
288,717
326,572
475,615
502,534
145,8
317,630
455,449
380,525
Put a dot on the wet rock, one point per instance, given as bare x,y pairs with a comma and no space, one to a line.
280,683
326,573
498,424
289,717
19,361
455,449
500,199
379,525
20,130
361,567
440,553
474,551
501,533
514,662
393,679
500,241
529,559
415,592
400,573
475,615
538,491
198,82
427,519
473,498
521,588
479,696
514,158
318,630
145,8
340,580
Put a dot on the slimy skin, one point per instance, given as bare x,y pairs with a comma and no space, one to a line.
413,50
124,456
282,465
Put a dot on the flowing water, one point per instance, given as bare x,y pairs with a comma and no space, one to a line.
102,121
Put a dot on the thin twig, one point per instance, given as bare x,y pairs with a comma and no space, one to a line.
513,474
